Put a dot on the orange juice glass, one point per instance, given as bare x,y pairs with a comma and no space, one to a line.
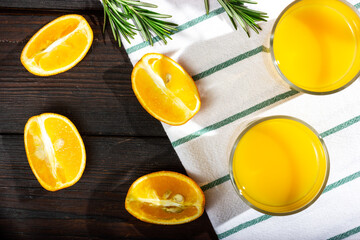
315,45
279,165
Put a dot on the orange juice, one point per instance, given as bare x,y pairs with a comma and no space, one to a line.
315,45
279,165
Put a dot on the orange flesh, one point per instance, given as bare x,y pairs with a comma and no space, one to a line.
55,151
164,89
58,46
151,198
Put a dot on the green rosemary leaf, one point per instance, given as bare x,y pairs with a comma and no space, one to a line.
115,8
206,2
119,13
144,30
241,21
239,14
225,5
155,15
233,22
105,10
138,3
157,29
146,12
250,11
113,29
123,29
163,24
123,24
250,22
244,1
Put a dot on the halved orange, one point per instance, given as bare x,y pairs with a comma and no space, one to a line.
166,198
58,46
55,150
165,89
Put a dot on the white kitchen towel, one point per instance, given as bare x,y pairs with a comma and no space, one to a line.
237,84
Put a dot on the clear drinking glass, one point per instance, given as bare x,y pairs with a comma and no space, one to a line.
315,45
261,174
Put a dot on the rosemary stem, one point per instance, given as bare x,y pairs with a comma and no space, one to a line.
119,13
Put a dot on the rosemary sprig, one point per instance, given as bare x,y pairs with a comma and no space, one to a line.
147,22
241,14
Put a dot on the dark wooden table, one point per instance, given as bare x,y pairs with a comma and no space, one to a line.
123,142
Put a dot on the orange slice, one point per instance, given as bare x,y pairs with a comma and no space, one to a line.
165,89
55,150
166,198
58,46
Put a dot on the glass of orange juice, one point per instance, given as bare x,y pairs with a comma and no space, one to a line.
279,165
315,45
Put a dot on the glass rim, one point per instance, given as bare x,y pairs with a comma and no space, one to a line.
244,131
283,77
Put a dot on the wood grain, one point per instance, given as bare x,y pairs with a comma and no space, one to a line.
96,94
93,207
123,142
59,5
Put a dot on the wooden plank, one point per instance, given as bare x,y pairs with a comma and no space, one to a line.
81,5
96,94
93,207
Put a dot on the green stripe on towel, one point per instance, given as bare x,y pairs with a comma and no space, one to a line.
323,135
179,29
342,182
212,127
216,182
327,189
340,127
230,62
265,217
346,234
234,117
243,226
186,26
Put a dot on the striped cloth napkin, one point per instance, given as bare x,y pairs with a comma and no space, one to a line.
236,86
